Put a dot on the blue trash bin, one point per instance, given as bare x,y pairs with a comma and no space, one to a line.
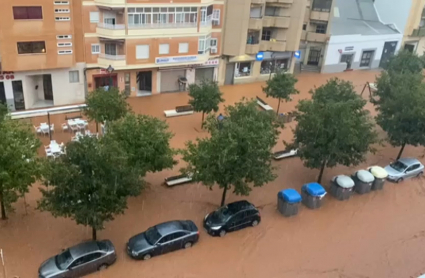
312,195
288,201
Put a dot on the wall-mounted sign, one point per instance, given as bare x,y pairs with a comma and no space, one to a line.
297,54
260,56
8,75
177,59
213,62
349,48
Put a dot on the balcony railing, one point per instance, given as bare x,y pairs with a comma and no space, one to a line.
112,57
111,26
419,32
163,25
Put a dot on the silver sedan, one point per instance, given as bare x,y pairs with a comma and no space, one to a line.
404,168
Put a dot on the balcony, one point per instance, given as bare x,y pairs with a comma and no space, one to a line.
258,2
320,16
255,23
252,48
111,30
276,21
153,29
111,3
315,37
113,60
280,1
272,45
419,32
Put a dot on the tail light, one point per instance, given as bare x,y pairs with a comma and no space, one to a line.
197,232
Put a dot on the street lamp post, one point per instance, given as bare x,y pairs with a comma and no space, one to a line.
110,69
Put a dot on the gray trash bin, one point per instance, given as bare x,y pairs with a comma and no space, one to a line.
342,187
288,201
363,181
380,175
312,195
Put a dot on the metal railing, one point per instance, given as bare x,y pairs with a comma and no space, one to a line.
419,32
112,57
111,26
163,25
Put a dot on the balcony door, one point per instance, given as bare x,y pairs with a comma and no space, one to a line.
109,19
110,49
314,57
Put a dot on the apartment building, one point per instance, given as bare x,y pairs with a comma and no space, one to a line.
40,64
152,46
260,36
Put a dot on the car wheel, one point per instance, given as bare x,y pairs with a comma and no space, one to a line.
222,233
399,180
254,223
419,174
146,257
102,267
187,245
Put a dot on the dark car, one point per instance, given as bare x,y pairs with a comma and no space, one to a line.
233,217
163,238
79,260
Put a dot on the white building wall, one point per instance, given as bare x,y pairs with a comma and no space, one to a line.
394,12
359,44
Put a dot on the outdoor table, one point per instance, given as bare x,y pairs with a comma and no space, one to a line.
55,148
44,127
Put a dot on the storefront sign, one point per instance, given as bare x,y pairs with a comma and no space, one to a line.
178,59
213,62
8,75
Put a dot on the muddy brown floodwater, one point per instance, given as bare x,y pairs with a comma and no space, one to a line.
380,234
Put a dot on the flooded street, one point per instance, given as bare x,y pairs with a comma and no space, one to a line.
380,234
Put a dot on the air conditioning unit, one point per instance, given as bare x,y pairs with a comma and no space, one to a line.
213,50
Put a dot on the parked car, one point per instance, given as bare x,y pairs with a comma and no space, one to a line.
163,238
79,260
232,217
404,168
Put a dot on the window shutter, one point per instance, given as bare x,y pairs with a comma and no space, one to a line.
142,51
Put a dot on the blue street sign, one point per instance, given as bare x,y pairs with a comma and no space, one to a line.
260,56
297,54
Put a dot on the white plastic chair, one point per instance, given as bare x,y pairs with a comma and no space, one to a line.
52,128
37,129
49,153
74,128
65,127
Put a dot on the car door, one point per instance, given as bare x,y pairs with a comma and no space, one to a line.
235,222
248,218
180,238
410,171
79,267
164,245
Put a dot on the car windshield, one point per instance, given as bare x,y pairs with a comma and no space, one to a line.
64,259
398,166
222,214
152,235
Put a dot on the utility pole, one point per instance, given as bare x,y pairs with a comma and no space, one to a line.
2,263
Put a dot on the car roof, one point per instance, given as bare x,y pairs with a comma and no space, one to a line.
169,227
240,205
83,248
409,161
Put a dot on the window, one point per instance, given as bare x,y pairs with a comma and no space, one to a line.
214,45
63,18
31,47
304,27
61,2
183,47
204,44
64,37
272,66
167,238
27,13
74,76
322,5
366,58
64,52
94,17
62,11
243,69
267,34
140,17
95,48
111,49
216,18
321,28
64,44
179,235
142,51
164,48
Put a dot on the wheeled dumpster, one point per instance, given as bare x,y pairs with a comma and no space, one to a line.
288,201
312,195
363,181
380,175
342,187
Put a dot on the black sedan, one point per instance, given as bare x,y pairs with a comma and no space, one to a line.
163,238
233,217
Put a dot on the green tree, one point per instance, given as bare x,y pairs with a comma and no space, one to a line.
404,62
90,184
18,159
146,141
205,97
400,101
333,127
281,86
106,106
238,154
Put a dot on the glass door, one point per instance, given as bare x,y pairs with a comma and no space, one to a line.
18,95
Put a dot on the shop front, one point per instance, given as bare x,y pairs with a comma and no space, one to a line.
208,71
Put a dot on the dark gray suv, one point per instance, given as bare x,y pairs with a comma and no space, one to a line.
79,260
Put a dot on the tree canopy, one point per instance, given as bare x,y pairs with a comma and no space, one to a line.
281,86
404,62
333,127
205,97
237,154
18,159
146,140
90,184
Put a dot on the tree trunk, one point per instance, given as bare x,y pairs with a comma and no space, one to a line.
278,107
322,168
223,197
3,208
93,234
401,151
202,124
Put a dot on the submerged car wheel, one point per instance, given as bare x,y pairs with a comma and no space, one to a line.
146,257
102,267
419,174
254,223
399,180
222,233
187,245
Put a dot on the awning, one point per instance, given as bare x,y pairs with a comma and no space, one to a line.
242,58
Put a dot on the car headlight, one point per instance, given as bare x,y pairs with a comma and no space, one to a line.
134,253
215,228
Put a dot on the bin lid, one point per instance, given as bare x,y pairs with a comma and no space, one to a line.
290,195
314,189
344,181
378,172
365,176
